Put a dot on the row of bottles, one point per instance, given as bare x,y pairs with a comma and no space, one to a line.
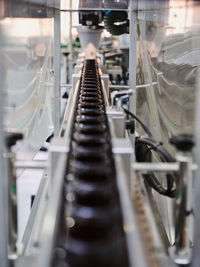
94,236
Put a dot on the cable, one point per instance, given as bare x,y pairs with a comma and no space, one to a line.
158,147
110,20
147,131
144,145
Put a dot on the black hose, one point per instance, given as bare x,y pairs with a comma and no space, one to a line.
143,147
147,131
112,17
158,147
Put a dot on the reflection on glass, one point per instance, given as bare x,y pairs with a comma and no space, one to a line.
26,64
168,60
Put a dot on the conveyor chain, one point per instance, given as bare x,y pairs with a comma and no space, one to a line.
96,237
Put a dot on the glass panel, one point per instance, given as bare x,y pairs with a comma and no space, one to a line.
26,38
168,57
167,63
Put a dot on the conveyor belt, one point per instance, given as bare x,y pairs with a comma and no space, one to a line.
95,237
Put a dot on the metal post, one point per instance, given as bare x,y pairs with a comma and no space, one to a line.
181,252
132,66
33,164
3,195
57,62
132,57
196,254
12,205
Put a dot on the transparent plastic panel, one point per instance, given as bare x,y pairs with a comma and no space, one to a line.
168,57
26,51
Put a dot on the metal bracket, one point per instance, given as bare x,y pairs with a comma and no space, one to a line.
118,118
181,252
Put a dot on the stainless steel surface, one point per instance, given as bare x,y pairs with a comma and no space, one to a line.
117,97
37,164
69,109
181,251
145,85
132,57
118,120
155,167
183,211
12,205
123,151
66,114
66,85
156,227
57,74
3,191
128,87
36,246
196,254
135,246
53,210
32,218
159,167
123,148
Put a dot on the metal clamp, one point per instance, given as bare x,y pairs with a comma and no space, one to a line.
121,95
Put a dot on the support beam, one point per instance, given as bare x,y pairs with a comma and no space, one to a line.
56,66
3,194
133,58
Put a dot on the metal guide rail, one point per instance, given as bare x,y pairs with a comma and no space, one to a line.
91,232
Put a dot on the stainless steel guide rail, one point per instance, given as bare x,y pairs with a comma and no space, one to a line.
93,234
91,200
